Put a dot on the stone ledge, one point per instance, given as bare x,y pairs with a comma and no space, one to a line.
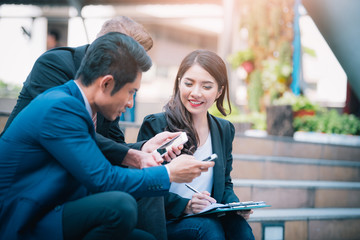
295,184
304,214
295,160
336,139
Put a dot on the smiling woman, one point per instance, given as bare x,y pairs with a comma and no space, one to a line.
201,80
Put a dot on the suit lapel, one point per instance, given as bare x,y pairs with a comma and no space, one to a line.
218,175
75,91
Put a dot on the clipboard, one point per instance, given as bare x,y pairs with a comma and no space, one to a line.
219,209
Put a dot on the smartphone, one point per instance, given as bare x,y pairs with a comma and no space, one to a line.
176,141
212,157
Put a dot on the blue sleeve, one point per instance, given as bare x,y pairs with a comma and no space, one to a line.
65,134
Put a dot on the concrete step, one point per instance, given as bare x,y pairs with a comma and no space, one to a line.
288,147
299,194
306,223
273,146
247,166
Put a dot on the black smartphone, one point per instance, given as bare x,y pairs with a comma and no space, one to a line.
176,141
165,145
212,157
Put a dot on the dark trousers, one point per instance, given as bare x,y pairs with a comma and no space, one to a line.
151,216
108,215
228,227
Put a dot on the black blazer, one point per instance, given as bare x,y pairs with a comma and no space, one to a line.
222,136
56,67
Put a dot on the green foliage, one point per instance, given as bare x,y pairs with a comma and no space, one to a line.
214,111
328,122
276,71
9,90
255,91
275,74
303,103
3,84
257,119
239,57
297,102
285,54
311,52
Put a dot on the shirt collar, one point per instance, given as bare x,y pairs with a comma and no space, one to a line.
87,104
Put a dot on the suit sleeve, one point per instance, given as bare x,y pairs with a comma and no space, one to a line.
111,141
174,205
229,195
151,126
51,69
113,151
71,144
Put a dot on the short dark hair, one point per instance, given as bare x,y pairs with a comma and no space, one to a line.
113,54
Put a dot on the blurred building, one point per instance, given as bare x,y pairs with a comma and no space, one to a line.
177,27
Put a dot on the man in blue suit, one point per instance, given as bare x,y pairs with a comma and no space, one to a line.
54,181
58,66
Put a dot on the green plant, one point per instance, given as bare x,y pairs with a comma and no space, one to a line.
240,57
255,91
9,90
311,52
234,110
297,102
303,103
328,122
257,119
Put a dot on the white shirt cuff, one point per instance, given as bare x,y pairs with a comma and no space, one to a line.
168,171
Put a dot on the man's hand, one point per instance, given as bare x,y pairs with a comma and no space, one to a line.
245,213
158,140
185,168
139,159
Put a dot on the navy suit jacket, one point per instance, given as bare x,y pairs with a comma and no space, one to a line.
56,67
48,156
222,136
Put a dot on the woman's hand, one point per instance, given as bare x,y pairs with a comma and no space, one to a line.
198,202
245,213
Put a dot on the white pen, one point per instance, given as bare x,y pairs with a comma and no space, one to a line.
196,191
191,188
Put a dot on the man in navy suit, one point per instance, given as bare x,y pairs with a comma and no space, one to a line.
55,183
58,66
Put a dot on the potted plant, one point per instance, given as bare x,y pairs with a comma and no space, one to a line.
301,105
304,107
330,122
